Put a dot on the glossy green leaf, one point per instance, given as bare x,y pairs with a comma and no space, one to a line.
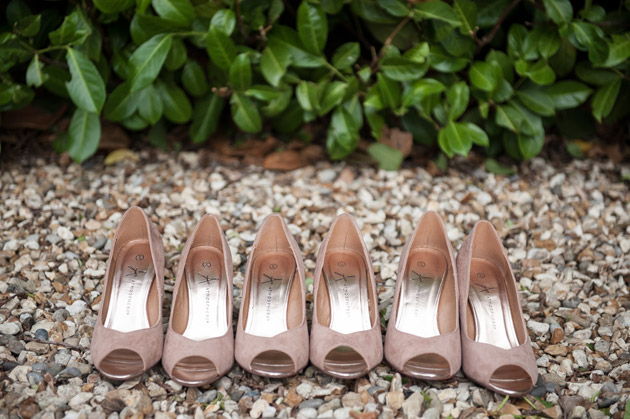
604,99
177,107
497,168
121,103
180,11
300,57
568,94
245,114
28,26
35,75
595,13
158,137
371,11
16,10
437,10
418,53
530,145
396,8
307,95
346,55
442,61
548,42
457,139
560,11
85,134
402,69
278,104
74,30
113,6
619,50
135,123
194,79
241,72
458,96
343,134
274,62
146,61
312,26
205,119
597,76
332,96
220,47
388,158
537,100
177,55
421,89
485,76
150,105
224,20
467,12
389,91
86,87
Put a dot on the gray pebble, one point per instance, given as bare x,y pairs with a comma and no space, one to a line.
53,238
431,413
27,321
571,302
40,367
539,391
71,255
311,403
34,378
207,397
374,389
41,334
236,395
9,365
61,315
307,413
99,243
16,347
609,387
254,394
69,372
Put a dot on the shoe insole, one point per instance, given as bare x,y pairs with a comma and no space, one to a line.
420,293
132,280
345,274
272,275
207,299
490,305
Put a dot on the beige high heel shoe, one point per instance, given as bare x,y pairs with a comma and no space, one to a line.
346,337
496,349
271,334
422,338
199,346
127,338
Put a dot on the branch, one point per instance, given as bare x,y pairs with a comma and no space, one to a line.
239,20
488,38
389,40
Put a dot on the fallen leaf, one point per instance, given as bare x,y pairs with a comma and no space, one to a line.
120,155
284,160
31,117
113,137
398,139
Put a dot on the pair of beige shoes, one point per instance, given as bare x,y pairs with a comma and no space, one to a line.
271,335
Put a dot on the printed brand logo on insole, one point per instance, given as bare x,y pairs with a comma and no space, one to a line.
346,293
486,290
207,279
268,300
133,273
420,285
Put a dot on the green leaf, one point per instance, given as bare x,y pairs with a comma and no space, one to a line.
343,134
540,72
194,79
568,94
86,87
371,11
279,104
595,13
245,114
596,76
402,69
312,27
332,96
388,158
497,168
220,47
537,100
206,118
241,72
180,11
177,107
73,30
422,130
121,103
619,50
467,12
418,52
421,89
516,38
177,55
564,60
396,8
346,55
307,95
389,91
458,136
441,61
274,62
150,107
29,26
530,145
477,135
589,37
604,99
135,123
549,41
437,10
560,11
85,134
507,117
224,20
113,6
263,92
34,74
501,59
158,137
458,96
485,76
16,10
289,38
146,61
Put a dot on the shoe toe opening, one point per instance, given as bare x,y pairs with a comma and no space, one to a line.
428,366
273,364
345,362
122,364
511,380
194,371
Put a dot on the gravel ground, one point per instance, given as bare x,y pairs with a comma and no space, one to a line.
566,230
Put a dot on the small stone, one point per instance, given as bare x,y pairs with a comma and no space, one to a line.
431,413
64,233
223,383
69,373
395,399
258,407
9,365
342,413
10,245
76,307
100,243
112,404
413,405
311,403
40,367
307,413
580,359
556,350
351,399
34,378
578,412
61,315
15,346
11,328
41,334
79,400
537,327
304,390
331,405
269,412
207,397
327,175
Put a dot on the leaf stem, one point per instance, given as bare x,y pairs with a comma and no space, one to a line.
389,40
337,72
488,38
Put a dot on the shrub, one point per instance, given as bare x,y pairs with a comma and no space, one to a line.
490,73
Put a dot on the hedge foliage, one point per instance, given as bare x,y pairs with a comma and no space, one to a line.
489,73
